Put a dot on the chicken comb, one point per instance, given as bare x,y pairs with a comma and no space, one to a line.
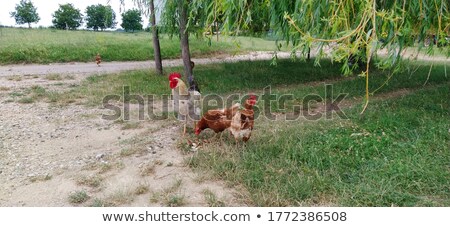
172,76
252,96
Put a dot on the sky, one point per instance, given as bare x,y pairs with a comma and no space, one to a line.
45,9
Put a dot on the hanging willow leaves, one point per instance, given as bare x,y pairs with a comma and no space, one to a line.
351,30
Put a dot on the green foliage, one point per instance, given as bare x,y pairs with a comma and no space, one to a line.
25,13
132,20
67,17
100,17
352,31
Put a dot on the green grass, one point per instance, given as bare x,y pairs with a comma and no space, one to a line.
47,45
297,78
396,155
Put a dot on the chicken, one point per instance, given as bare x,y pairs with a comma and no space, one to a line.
242,123
218,120
98,59
186,103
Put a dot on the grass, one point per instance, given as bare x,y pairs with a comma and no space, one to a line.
131,125
46,45
93,181
15,78
395,155
147,169
53,77
212,199
169,196
141,189
37,178
296,78
120,197
25,100
78,197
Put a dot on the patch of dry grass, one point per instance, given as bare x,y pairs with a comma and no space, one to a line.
93,181
212,199
170,196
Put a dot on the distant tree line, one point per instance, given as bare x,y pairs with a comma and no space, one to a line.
98,17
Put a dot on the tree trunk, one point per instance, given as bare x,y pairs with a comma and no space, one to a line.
29,25
184,36
309,53
156,47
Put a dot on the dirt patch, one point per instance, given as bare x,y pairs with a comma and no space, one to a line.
69,156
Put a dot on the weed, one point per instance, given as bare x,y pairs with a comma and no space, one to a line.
169,196
147,169
101,203
78,197
25,100
15,78
120,197
211,199
141,189
131,125
175,201
41,178
91,181
53,77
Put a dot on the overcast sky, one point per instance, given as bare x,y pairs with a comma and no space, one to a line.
46,8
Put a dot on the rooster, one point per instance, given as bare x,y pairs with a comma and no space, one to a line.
241,126
218,120
186,102
98,59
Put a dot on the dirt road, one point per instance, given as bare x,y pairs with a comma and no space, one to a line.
113,67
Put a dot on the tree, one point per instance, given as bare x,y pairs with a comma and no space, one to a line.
25,13
155,38
184,40
67,17
100,17
148,7
176,20
131,20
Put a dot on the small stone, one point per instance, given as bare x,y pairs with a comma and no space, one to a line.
100,156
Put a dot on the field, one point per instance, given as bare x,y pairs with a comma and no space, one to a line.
396,154
45,46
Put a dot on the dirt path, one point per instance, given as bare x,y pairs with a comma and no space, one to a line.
113,67
49,153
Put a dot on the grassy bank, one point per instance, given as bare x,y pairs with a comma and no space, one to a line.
46,45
